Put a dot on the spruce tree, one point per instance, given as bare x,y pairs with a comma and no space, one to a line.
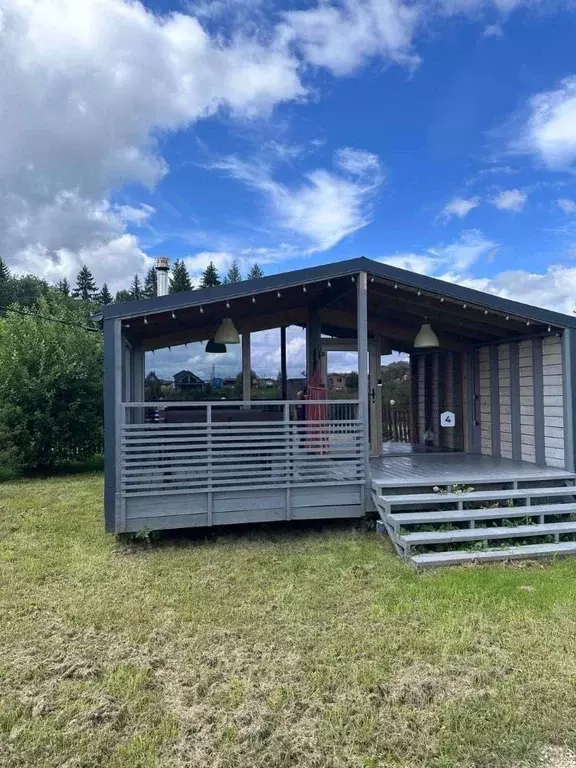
85,285
179,279
135,288
210,277
233,275
255,272
150,284
5,284
122,296
63,286
4,271
104,297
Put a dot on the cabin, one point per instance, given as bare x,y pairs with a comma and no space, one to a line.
186,381
482,465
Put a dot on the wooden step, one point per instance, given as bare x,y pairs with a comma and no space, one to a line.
437,559
398,519
410,499
484,534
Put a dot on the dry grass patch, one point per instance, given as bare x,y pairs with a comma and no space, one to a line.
311,647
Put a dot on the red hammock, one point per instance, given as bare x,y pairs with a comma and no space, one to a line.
316,439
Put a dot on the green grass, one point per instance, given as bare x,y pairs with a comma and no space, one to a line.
312,647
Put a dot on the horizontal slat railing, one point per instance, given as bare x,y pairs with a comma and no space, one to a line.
171,448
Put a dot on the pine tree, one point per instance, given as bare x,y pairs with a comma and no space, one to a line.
104,297
136,288
179,279
122,296
85,286
63,286
150,284
233,275
255,272
4,271
210,277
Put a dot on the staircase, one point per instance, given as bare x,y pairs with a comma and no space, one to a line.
430,529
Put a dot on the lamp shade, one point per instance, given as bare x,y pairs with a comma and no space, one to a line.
426,338
227,333
215,348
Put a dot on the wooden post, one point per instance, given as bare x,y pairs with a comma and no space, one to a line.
312,343
362,334
283,369
246,369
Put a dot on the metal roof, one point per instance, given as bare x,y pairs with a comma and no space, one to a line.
284,280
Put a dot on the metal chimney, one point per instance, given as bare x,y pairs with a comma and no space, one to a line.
162,269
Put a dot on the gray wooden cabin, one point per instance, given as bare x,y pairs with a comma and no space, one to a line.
504,369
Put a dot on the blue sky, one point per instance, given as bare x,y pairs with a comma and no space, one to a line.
437,135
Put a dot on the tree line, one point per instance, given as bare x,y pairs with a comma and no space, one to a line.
179,280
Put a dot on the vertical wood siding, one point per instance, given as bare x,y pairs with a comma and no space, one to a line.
449,403
553,392
504,390
485,401
421,398
526,376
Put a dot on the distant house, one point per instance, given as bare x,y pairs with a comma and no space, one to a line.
337,380
153,385
186,381
264,383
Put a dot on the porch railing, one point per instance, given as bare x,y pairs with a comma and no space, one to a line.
191,447
396,424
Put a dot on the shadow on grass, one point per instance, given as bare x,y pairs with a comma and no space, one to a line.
283,531
93,464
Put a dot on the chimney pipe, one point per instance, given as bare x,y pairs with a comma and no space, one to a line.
162,269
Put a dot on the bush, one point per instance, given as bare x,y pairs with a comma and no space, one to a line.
50,387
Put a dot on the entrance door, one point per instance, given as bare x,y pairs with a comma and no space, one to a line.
373,383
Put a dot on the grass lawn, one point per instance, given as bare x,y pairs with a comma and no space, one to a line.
312,647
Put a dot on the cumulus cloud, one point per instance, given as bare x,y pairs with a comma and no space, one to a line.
549,132
566,205
458,256
326,206
85,88
459,207
512,200
343,36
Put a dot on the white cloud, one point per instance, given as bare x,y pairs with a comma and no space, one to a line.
458,256
326,206
459,207
342,37
85,88
566,206
549,133
493,30
512,200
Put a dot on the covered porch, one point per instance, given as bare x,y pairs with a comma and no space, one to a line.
194,463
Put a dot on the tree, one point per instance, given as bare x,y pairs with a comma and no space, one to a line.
396,383
150,284
85,285
210,277
5,288
50,387
122,296
179,279
104,297
28,290
255,272
63,286
233,275
135,288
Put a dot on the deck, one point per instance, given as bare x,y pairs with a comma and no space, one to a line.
417,470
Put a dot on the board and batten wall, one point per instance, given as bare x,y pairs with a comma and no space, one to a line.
520,396
437,386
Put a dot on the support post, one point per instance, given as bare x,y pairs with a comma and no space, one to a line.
137,384
113,413
362,333
246,368
283,368
312,343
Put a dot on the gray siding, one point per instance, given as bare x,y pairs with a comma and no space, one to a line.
521,401
553,392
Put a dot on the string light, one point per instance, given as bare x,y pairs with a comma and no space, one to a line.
173,315
549,328
507,317
201,310
441,299
329,284
227,305
303,289
485,311
278,294
253,299
353,279
145,321
97,316
419,293
395,286
464,306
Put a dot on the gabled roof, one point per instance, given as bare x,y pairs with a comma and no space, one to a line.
285,280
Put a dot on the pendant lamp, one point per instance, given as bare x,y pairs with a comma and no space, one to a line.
215,348
426,338
227,333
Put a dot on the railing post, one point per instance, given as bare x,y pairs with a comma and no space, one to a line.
209,464
288,467
362,333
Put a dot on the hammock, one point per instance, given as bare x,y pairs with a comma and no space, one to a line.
316,438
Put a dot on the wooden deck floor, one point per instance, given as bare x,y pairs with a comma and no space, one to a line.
424,469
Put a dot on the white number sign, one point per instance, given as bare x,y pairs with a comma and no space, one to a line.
447,419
